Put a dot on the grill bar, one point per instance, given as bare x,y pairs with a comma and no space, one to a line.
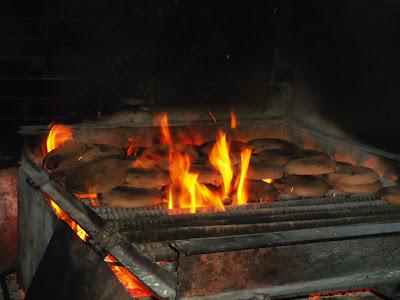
110,213
179,233
205,220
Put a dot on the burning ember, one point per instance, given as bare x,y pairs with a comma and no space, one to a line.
134,286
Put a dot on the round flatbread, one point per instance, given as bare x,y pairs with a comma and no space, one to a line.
312,165
258,145
65,156
95,151
97,176
146,178
302,186
279,157
131,197
358,188
350,174
260,171
390,194
259,191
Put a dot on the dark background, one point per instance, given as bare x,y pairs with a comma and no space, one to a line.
67,60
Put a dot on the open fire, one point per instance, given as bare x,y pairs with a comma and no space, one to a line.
185,190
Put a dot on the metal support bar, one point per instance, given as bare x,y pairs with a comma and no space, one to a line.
274,239
156,279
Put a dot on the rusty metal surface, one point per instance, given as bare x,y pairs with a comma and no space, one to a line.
271,268
8,218
70,269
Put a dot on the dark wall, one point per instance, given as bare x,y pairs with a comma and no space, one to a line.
66,60
347,66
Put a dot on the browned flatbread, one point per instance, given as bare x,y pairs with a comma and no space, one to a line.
146,178
358,188
390,194
259,145
259,191
279,157
95,151
131,197
350,174
260,171
65,156
207,175
97,176
311,166
302,186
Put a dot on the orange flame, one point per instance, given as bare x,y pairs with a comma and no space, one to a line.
58,135
241,191
220,160
166,135
130,282
80,232
233,120
191,193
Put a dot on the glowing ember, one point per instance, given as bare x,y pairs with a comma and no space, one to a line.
241,191
130,282
220,160
80,232
132,146
86,196
58,135
268,180
233,120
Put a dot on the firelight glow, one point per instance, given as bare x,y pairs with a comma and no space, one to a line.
58,135
185,191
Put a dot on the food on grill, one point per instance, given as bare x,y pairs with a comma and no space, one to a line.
260,191
259,145
207,175
358,188
279,157
259,171
158,155
126,197
390,194
95,151
97,176
350,174
313,165
302,186
65,156
146,178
